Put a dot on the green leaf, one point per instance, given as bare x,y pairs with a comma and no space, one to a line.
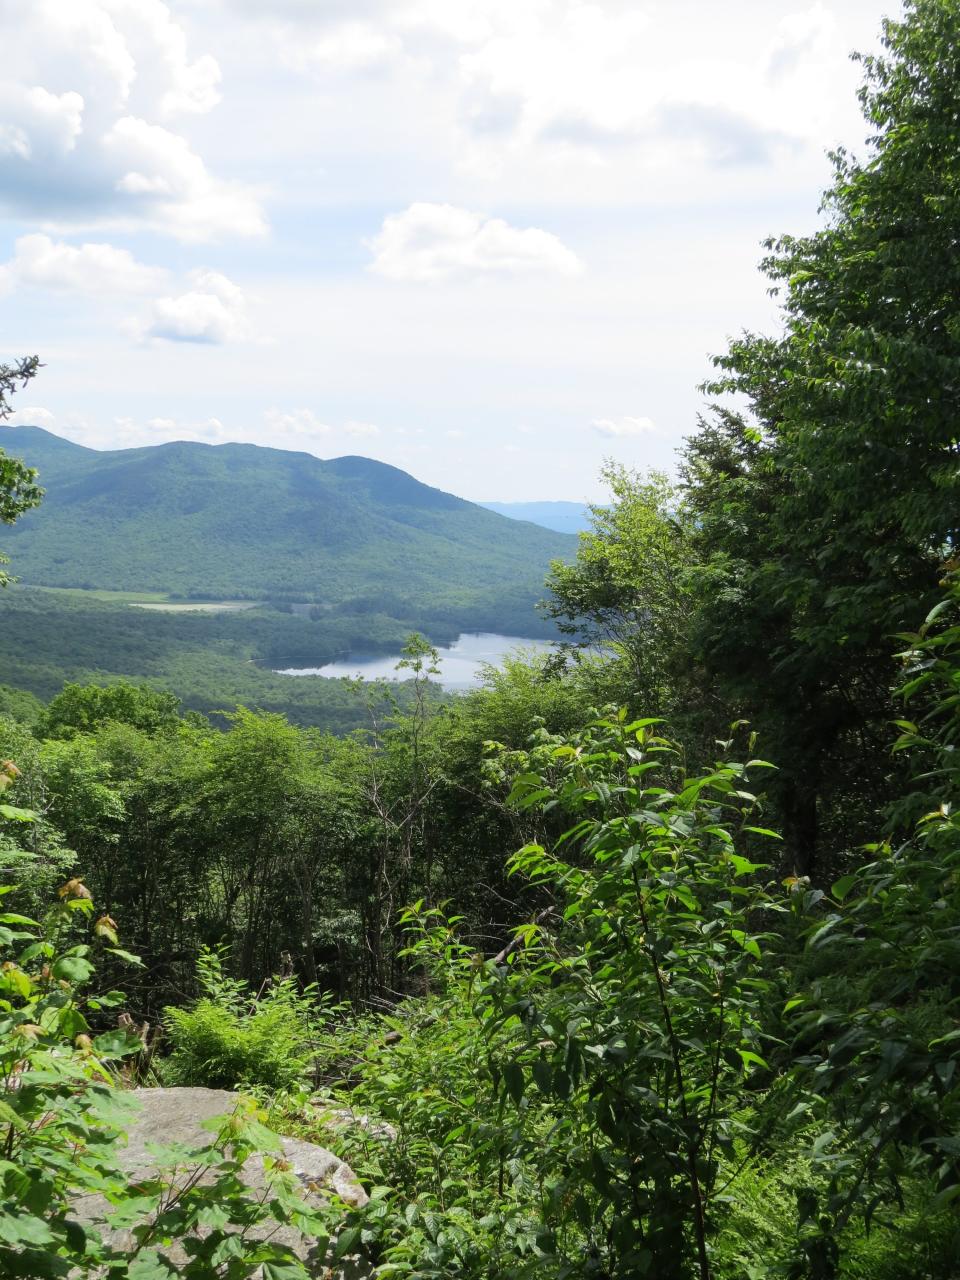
16,980
750,1059
286,1269
150,1265
742,866
73,969
10,1117
72,1022
750,945
513,1079
116,1044
843,886
24,1228
13,814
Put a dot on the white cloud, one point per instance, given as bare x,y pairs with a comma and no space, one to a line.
113,51
38,123
125,432
435,241
559,59
85,83
179,85
295,422
622,427
30,416
571,72
524,81
93,269
14,141
213,311
159,169
350,47
802,38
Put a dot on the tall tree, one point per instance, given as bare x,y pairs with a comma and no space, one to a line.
18,488
625,593
823,511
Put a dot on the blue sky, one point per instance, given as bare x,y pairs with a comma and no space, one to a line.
489,241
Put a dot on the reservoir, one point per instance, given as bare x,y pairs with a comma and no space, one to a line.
460,663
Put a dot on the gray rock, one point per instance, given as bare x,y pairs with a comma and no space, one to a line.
175,1116
345,1118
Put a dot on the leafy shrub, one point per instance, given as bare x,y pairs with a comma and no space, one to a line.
580,1105
422,1122
639,1001
230,1038
33,853
879,1030
62,1116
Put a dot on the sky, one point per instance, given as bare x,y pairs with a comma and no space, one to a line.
492,242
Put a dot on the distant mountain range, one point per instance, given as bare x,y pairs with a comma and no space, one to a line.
240,521
563,517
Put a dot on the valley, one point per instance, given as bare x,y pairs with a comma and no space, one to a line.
208,571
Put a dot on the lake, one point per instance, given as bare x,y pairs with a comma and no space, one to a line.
460,662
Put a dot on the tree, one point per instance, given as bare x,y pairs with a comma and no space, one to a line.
823,511
18,488
625,592
84,708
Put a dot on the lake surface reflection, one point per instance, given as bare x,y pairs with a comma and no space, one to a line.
460,662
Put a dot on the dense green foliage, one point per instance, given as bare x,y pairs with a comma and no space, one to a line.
270,838
627,590
232,1035
577,1009
64,1115
823,513
210,661
19,491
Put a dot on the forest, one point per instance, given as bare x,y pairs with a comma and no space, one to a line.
640,960
213,661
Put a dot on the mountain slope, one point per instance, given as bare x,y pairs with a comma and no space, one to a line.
562,517
242,521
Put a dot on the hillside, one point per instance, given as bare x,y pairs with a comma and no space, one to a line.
243,521
562,517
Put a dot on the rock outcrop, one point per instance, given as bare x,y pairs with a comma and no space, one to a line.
176,1116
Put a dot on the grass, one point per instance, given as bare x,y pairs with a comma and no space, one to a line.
110,597
159,600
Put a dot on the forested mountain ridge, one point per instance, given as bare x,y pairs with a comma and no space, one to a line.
246,521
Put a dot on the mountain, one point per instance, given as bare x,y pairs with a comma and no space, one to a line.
562,517
242,521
